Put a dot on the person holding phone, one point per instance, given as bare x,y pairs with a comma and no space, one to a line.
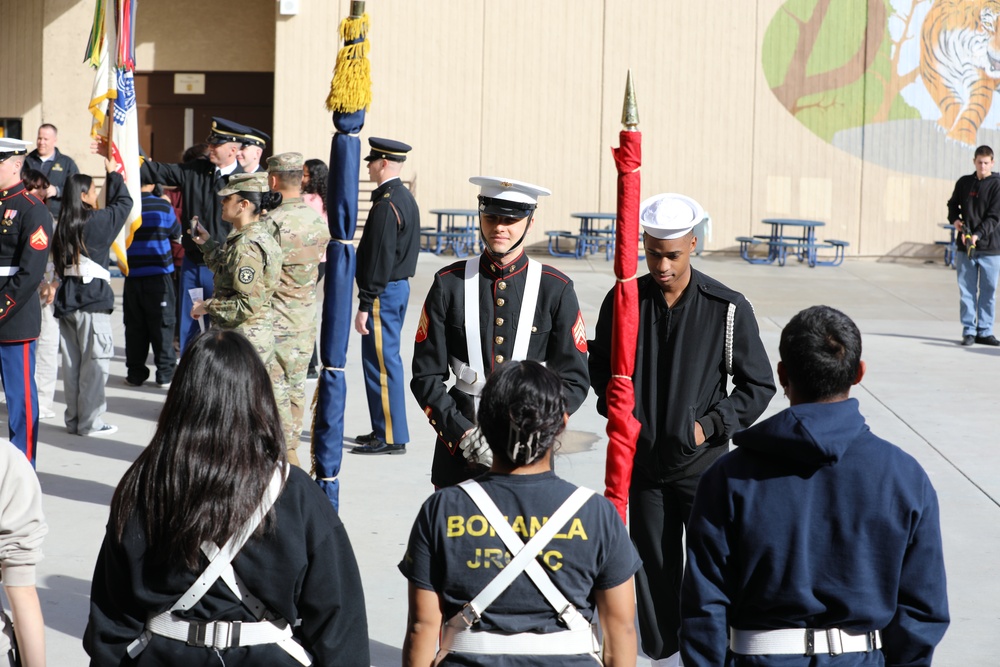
247,266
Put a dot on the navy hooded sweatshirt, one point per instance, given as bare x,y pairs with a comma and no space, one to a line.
814,522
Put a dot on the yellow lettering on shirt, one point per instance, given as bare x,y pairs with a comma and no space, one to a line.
477,526
551,560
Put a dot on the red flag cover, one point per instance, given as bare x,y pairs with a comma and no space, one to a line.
623,427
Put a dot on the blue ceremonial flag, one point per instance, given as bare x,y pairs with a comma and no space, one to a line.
350,97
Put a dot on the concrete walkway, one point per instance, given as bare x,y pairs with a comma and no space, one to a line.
934,399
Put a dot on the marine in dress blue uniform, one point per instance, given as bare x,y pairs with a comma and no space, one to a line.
387,259
557,335
25,233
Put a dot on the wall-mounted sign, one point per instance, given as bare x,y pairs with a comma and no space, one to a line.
189,84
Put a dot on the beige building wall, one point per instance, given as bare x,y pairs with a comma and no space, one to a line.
205,36
21,65
521,89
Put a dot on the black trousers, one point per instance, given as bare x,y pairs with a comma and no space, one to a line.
658,516
150,315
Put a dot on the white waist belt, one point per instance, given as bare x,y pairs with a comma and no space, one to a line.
219,634
802,641
8,270
466,377
87,270
565,642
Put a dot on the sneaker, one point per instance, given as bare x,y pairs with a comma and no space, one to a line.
988,340
46,414
164,385
106,429
132,383
968,340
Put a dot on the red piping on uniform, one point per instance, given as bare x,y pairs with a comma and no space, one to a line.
29,444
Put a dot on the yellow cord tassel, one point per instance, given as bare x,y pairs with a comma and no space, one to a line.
352,29
351,86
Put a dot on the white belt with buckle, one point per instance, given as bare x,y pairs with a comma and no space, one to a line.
802,641
564,642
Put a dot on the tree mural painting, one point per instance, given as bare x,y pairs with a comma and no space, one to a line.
851,63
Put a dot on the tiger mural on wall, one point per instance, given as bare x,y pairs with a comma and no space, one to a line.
960,63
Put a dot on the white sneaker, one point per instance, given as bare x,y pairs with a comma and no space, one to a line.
107,429
46,414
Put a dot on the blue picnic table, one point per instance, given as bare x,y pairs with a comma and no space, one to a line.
596,230
949,245
456,228
792,236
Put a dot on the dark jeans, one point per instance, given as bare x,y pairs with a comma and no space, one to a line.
150,315
658,519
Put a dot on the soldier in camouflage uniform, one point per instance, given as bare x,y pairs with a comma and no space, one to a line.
303,236
247,266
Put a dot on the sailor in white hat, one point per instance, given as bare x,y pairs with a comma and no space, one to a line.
488,310
693,333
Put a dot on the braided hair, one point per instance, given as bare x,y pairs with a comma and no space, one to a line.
522,411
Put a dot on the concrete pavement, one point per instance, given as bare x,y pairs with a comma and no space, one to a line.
924,392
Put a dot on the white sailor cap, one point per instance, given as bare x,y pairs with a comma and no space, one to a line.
10,147
506,197
669,216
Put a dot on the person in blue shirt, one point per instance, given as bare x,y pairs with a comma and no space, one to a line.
815,542
149,299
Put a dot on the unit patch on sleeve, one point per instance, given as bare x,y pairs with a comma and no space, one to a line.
245,275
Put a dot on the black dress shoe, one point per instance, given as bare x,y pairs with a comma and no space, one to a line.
968,340
988,340
380,447
366,439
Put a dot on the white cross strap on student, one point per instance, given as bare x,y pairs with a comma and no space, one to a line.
87,270
459,634
471,377
227,634
803,641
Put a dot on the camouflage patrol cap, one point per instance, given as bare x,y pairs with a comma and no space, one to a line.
285,162
256,182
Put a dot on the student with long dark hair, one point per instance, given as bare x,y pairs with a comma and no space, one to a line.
314,176
217,451
81,252
467,535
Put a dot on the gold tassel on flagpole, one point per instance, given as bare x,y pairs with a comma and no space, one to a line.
351,86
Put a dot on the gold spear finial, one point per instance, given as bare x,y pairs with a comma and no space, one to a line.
630,111
357,9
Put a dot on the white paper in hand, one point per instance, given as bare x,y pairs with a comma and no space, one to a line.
198,294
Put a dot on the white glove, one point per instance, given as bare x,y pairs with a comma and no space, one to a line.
474,448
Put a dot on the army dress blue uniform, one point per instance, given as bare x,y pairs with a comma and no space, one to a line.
25,234
387,259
